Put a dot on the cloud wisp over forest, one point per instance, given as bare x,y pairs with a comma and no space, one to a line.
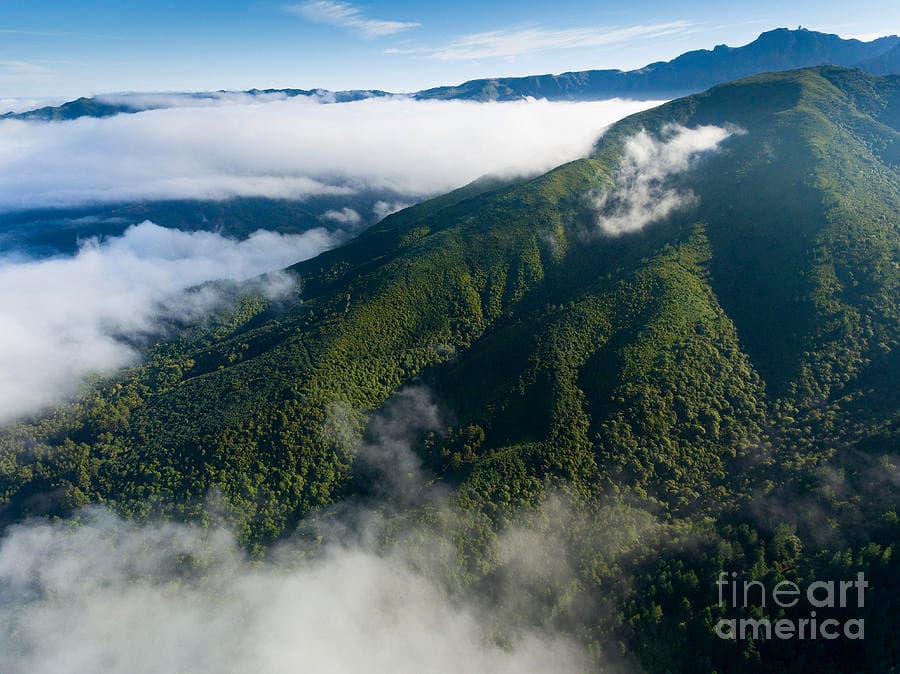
67,317
101,594
641,193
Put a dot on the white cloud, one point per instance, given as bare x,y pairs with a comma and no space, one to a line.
345,15
64,318
344,216
375,592
382,209
519,42
392,433
291,149
640,195
108,597
175,99
140,101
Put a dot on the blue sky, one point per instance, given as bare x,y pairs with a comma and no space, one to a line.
76,47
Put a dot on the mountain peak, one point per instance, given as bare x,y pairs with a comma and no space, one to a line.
691,72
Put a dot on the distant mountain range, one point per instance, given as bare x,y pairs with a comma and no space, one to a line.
116,104
886,63
692,72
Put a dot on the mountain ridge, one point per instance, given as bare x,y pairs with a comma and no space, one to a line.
691,72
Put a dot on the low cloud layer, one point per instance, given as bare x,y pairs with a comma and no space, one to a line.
641,195
111,597
153,101
142,101
66,317
290,149
105,595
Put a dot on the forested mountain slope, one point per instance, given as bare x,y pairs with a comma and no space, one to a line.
728,369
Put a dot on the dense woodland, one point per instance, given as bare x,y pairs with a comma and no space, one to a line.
717,391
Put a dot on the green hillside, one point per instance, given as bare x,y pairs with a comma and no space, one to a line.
728,373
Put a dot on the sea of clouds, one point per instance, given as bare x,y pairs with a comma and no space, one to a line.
290,148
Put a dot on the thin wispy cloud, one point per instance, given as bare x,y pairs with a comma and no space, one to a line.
345,15
513,43
22,70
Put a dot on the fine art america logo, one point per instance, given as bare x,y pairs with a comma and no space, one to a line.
820,595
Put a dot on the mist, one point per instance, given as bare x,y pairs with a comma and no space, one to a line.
100,594
112,596
291,149
65,318
640,195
